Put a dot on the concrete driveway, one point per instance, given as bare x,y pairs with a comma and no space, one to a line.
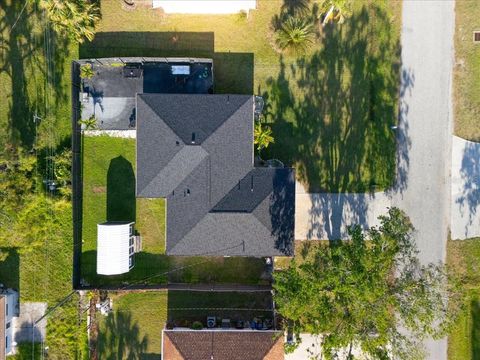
423,188
465,220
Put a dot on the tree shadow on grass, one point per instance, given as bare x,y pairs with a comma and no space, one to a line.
23,60
334,115
120,338
10,268
121,201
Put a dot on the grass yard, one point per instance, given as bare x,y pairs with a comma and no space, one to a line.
134,327
464,340
330,110
109,194
467,71
138,318
35,81
185,307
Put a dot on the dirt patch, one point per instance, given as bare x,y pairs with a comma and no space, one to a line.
99,189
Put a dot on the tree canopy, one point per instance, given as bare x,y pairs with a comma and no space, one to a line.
76,18
364,293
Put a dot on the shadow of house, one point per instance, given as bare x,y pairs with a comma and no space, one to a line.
121,201
10,268
186,307
282,210
149,269
120,338
233,71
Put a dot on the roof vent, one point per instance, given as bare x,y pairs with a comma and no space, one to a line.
177,143
251,184
193,138
476,36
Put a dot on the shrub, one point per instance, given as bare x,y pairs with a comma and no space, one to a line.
197,325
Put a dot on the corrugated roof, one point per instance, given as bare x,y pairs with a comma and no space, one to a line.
113,248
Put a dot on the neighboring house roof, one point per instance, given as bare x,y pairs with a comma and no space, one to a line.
113,248
222,345
197,152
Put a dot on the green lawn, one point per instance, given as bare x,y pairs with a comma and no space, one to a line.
138,318
330,110
135,325
109,194
467,70
45,273
464,340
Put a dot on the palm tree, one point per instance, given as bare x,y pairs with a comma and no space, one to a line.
262,136
295,34
77,18
86,71
335,10
89,124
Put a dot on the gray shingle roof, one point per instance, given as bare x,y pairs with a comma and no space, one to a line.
212,208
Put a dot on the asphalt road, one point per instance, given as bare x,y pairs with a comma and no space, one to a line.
426,122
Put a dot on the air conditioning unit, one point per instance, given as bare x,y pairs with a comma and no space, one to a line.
211,322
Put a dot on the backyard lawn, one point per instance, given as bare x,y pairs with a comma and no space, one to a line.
464,340
467,71
331,110
138,318
109,194
31,82
134,326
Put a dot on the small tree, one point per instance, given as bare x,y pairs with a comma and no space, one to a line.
295,34
262,136
359,294
89,124
86,71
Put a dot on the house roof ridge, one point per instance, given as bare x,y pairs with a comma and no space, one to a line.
153,95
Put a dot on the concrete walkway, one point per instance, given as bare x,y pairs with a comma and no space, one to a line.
465,203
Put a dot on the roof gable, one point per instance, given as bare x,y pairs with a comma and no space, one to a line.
194,117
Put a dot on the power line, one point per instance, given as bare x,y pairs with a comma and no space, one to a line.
18,18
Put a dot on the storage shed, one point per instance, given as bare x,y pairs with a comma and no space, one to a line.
116,244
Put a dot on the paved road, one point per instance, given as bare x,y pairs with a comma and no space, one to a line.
426,118
423,186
